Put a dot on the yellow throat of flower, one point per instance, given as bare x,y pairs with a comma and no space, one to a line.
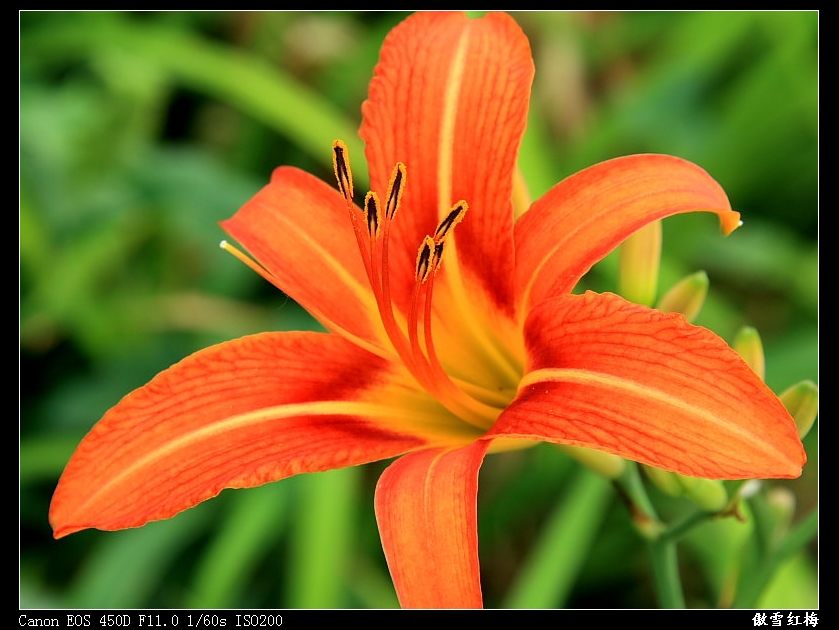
412,341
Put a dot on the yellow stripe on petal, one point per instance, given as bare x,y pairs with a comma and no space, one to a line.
241,414
642,392
646,385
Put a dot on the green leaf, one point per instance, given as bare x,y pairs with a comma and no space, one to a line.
230,75
128,566
43,458
322,539
795,585
250,529
549,572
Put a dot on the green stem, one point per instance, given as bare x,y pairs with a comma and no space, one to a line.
677,530
631,489
668,585
734,498
764,523
792,543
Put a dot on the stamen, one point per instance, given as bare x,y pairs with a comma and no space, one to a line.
437,261
427,370
423,270
341,167
394,190
371,211
497,354
430,370
367,246
343,175
454,217
424,259
417,357
248,261
394,197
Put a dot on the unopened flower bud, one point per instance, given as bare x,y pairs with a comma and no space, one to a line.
781,502
750,488
708,494
664,480
600,462
640,259
748,345
802,402
686,296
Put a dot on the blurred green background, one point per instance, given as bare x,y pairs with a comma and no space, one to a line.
140,131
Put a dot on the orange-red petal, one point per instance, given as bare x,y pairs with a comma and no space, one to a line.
449,99
298,228
646,385
426,507
235,415
584,217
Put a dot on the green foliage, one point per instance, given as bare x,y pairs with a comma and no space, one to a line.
139,132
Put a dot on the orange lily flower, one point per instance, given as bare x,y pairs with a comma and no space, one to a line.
453,330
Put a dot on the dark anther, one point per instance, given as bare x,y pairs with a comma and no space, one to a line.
342,169
424,259
371,209
394,191
452,219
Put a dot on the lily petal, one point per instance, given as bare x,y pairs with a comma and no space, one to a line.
646,385
426,507
449,99
298,228
587,215
235,415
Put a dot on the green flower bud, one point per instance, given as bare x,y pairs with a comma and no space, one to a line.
640,259
802,402
708,494
686,296
748,345
664,480
781,503
600,462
